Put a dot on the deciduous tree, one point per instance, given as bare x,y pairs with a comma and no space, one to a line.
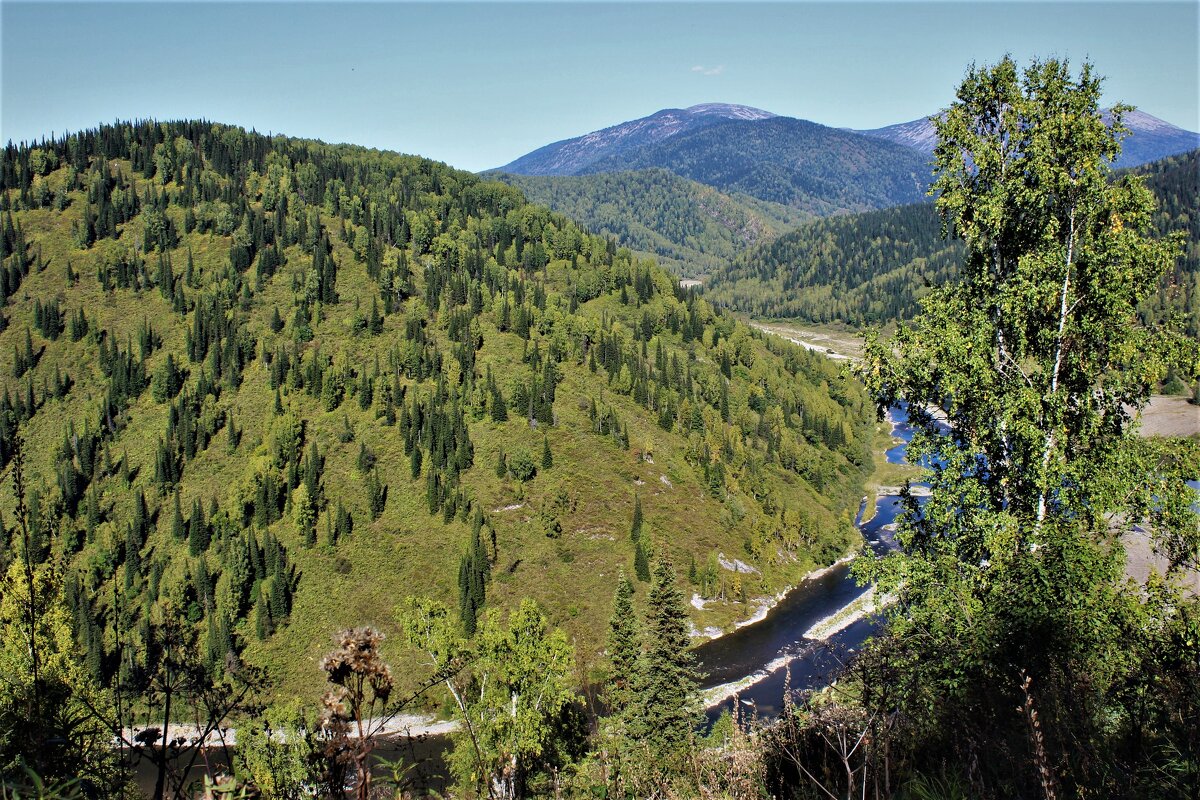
1023,381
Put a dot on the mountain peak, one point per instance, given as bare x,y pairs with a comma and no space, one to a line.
573,156
729,111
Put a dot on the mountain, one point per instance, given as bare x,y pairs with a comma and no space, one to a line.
917,134
572,156
689,227
810,167
1150,138
268,387
872,268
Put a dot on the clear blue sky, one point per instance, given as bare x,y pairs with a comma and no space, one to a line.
477,85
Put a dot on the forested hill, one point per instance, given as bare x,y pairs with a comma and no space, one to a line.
857,269
872,268
687,226
270,386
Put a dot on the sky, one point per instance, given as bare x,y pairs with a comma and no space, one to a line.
478,84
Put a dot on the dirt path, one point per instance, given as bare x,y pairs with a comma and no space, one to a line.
838,345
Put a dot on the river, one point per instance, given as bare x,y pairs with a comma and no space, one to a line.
751,664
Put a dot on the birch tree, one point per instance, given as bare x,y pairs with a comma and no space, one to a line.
1024,381
511,687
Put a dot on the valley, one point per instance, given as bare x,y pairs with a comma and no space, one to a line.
769,450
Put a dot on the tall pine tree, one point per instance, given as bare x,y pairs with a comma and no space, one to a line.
663,712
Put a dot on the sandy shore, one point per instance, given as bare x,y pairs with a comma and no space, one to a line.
762,605
409,725
1170,416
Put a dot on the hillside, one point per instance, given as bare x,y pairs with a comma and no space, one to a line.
858,269
810,167
270,387
872,268
687,226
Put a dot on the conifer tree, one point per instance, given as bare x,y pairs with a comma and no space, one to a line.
635,527
624,643
663,712
547,456
414,462
262,619
304,515
178,530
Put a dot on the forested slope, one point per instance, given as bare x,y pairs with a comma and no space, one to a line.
858,269
271,386
872,268
685,225
792,162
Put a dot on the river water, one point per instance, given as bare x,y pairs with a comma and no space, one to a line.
751,664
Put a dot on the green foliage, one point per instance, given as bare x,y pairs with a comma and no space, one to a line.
641,558
276,751
53,715
624,645
662,714
874,267
512,691
521,465
1011,578
325,302
523,675
862,268
474,570
635,525
686,225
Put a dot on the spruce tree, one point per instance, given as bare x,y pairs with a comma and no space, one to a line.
624,643
262,619
547,456
635,527
197,530
663,712
178,530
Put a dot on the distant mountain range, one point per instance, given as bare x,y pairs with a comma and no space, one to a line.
793,162
696,186
1150,138
738,149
